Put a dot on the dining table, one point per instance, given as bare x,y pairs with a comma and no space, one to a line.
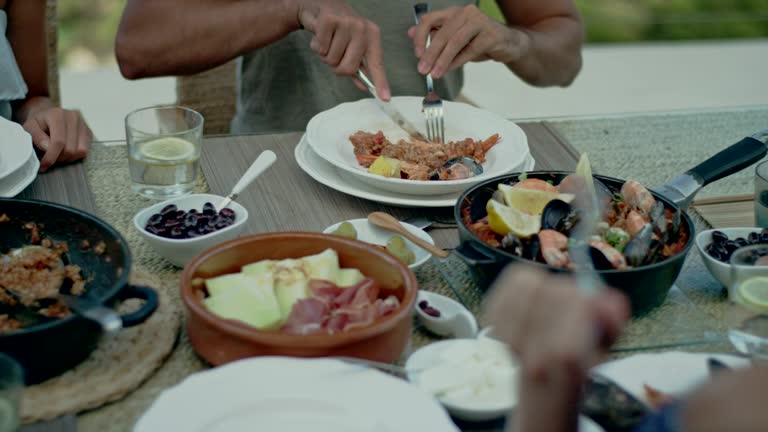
649,147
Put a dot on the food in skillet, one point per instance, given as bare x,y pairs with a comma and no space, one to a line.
535,219
31,279
418,160
303,296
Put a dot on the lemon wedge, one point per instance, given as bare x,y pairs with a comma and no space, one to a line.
584,169
386,167
168,149
504,220
753,293
529,200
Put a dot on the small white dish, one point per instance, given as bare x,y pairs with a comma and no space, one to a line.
454,321
181,251
370,233
328,133
720,270
15,147
15,183
474,379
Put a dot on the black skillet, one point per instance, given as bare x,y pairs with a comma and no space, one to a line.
646,286
47,349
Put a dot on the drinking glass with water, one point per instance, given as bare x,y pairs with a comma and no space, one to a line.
761,194
164,150
11,383
747,312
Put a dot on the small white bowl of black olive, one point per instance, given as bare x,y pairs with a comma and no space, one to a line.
717,245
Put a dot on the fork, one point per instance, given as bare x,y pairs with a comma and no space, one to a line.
432,105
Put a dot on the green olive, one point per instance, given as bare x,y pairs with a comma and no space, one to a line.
346,229
396,246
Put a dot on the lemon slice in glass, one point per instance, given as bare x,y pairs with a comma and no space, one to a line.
168,149
504,220
753,293
529,200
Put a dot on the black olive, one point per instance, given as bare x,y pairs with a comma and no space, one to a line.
167,209
741,242
753,238
764,232
719,237
227,213
155,219
763,238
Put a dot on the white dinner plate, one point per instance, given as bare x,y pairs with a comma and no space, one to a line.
15,147
675,373
326,174
284,394
17,181
328,135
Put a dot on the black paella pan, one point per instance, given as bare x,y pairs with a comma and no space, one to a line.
646,285
52,346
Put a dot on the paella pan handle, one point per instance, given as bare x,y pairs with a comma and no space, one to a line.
731,160
145,311
744,153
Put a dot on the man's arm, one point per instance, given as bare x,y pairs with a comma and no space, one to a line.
554,33
177,37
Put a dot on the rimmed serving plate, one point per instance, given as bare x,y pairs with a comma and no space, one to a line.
17,181
328,135
326,174
15,148
294,395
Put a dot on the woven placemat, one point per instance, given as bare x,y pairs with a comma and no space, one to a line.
118,365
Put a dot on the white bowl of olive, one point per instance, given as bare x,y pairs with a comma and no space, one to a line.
402,249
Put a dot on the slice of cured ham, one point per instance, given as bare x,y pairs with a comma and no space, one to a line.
332,309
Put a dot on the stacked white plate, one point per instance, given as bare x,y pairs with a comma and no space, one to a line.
327,155
18,162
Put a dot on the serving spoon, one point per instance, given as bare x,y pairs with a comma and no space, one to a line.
264,161
389,223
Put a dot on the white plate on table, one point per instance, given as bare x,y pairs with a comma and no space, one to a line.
326,174
328,135
294,395
15,147
675,373
16,182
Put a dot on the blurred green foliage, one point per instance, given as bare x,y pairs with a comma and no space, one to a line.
87,28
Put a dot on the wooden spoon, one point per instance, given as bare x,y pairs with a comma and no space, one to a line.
389,223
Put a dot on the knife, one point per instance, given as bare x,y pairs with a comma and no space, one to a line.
389,109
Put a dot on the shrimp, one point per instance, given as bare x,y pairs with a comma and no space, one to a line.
553,245
536,184
637,196
634,223
613,256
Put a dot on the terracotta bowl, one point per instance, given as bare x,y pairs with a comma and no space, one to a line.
220,341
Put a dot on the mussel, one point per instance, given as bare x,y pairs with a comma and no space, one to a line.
512,244
639,247
599,260
559,216
479,202
532,248
458,169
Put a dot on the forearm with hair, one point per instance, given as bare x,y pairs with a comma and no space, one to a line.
178,37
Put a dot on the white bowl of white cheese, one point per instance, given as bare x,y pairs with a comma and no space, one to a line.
475,379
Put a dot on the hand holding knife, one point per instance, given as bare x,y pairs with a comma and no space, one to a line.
389,109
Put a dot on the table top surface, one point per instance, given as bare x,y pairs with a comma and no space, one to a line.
690,319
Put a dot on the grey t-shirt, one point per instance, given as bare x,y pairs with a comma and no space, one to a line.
283,85
12,86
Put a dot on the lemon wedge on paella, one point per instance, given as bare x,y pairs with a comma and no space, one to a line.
530,201
503,220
